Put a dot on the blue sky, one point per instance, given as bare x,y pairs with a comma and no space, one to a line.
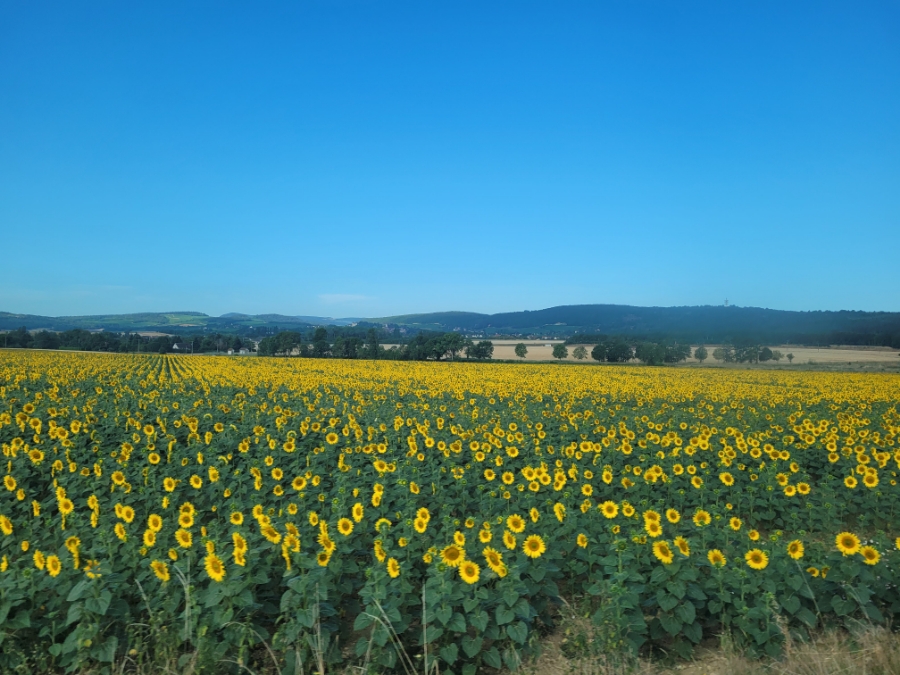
373,158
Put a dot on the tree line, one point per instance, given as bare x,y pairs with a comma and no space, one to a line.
423,346
101,341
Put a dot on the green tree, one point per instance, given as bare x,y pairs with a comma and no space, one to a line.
560,351
790,357
701,354
580,352
521,350
598,353
777,355
481,350
372,343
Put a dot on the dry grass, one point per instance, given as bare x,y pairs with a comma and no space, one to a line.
875,651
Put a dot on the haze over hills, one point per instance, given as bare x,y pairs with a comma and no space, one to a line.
707,324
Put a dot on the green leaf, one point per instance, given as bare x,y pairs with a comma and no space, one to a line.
693,632
518,632
471,645
659,576
807,617
510,597
492,658
78,590
449,653
666,602
686,612
479,620
100,604
457,623
363,620
504,615
74,613
670,624
443,614
677,588
791,604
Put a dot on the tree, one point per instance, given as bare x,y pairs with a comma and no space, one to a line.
618,351
521,350
372,343
451,343
790,357
580,352
598,353
650,353
777,355
765,354
482,350
701,354
560,351
725,354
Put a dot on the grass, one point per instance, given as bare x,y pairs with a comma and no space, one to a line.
871,651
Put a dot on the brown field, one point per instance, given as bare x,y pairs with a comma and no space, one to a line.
542,350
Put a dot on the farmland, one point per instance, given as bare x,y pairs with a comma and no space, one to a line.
210,513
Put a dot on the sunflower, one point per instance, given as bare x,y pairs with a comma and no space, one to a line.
469,572
332,438
609,509
54,566
534,514
754,535
154,522
323,559
756,559
697,482
66,506
119,530
345,526
726,478
240,544
357,512
847,543
485,536
393,568
582,540
716,558
459,538
453,555
651,516
509,540
735,524
683,546
184,538
493,557
813,571
236,518
186,519
870,555
663,553
516,523
420,525
701,518
850,482
149,538
795,549
672,516
559,511
160,569
870,480
169,484
653,528
534,546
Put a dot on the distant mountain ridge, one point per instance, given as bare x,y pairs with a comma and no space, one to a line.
708,324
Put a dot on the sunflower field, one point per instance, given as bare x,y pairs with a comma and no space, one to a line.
227,514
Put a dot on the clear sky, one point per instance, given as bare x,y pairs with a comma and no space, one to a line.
345,158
